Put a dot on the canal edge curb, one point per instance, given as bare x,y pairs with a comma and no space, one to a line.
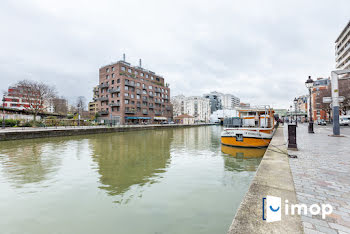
273,178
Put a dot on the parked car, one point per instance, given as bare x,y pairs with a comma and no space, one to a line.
344,120
321,122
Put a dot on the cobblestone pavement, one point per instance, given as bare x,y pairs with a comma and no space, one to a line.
321,174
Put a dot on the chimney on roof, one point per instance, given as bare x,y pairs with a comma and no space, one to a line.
124,57
140,63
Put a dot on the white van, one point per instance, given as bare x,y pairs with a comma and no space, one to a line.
344,120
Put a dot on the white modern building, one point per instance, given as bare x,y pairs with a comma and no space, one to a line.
198,107
342,49
229,101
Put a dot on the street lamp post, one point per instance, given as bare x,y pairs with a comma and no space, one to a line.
291,114
295,108
309,83
3,112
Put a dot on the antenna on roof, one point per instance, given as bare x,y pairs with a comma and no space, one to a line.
124,57
140,63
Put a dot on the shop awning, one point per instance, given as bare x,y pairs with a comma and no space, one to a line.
135,117
160,118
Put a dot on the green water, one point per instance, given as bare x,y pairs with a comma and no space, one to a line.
159,181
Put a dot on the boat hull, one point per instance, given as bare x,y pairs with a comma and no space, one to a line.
246,138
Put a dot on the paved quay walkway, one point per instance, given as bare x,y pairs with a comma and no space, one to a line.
321,175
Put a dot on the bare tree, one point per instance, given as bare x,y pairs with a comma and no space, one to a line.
81,102
344,90
36,94
60,105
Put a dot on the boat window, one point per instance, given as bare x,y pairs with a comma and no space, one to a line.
239,137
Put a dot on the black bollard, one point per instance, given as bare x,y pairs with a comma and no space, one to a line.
292,137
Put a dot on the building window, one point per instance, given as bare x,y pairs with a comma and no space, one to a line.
118,81
112,68
138,84
126,88
126,101
152,78
123,68
126,94
144,91
132,95
146,75
150,87
141,73
112,81
107,76
143,86
137,96
129,70
107,70
113,75
136,73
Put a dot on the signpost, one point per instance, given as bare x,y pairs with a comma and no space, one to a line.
336,99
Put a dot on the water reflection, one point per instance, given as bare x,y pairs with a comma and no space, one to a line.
30,161
197,138
239,152
244,159
127,159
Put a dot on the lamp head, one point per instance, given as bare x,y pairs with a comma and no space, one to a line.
309,82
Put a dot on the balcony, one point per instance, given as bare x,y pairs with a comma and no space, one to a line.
138,91
103,86
129,84
158,113
114,90
157,101
130,111
115,104
151,95
145,112
151,106
102,99
157,90
103,112
138,105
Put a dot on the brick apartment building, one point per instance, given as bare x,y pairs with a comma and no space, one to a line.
320,88
132,95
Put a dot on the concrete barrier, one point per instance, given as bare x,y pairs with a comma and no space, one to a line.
18,134
273,178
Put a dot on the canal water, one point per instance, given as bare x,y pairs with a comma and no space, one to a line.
153,181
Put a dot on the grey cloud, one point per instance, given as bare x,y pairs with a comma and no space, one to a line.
261,51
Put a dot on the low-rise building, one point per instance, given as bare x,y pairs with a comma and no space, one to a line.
93,106
184,119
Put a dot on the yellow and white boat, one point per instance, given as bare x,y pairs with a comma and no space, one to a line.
254,128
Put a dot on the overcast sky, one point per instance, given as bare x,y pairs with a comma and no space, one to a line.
260,51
